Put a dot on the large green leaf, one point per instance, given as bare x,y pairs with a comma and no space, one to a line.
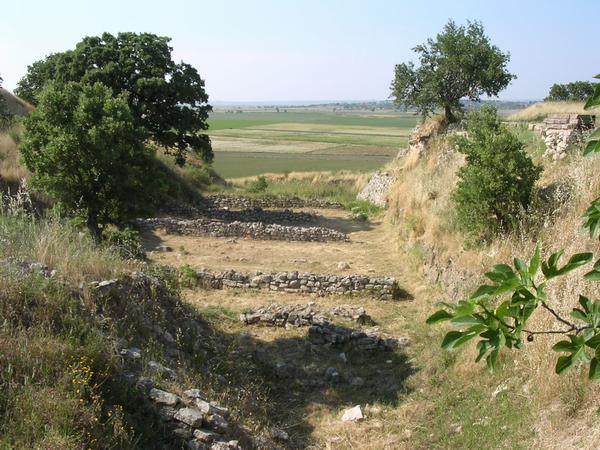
565,346
563,363
450,339
594,373
439,316
534,263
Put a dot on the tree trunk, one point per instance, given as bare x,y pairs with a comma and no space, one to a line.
92,225
450,118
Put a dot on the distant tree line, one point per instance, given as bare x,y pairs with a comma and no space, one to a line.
578,91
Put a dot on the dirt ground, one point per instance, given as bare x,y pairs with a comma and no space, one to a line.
370,251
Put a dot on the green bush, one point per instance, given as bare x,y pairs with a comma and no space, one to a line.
258,185
125,241
495,186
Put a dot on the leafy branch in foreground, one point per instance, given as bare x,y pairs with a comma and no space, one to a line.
498,313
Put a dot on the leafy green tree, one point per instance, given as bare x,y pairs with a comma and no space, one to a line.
578,91
495,185
167,99
498,313
85,150
460,63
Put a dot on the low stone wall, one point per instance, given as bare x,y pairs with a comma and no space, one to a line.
385,288
243,215
219,201
562,130
322,331
303,315
377,189
252,230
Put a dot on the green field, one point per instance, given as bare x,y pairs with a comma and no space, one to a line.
237,165
254,142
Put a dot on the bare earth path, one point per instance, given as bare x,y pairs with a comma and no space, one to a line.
308,403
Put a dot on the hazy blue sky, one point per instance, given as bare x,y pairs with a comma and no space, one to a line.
311,50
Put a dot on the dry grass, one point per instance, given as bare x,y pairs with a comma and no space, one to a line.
539,111
367,239
357,180
60,246
11,170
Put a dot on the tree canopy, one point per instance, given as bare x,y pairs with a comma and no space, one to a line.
460,63
578,91
166,99
85,150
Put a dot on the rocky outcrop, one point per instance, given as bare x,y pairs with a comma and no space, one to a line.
377,189
220,201
384,288
563,130
251,230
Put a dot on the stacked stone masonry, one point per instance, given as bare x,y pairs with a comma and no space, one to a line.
384,288
562,130
322,331
244,215
220,201
377,189
252,230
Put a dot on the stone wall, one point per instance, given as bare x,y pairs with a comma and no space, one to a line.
322,331
562,130
385,288
219,201
252,230
244,215
378,187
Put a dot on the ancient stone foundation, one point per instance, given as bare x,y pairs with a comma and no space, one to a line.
562,130
219,201
385,288
377,189
322,331
243,215
252,230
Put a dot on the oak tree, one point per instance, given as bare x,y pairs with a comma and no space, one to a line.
459,63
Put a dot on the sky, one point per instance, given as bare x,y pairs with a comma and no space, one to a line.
311,50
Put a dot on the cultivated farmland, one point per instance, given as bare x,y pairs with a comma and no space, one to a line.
252,142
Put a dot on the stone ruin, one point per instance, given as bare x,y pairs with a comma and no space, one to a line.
384,288
322,330
378,187
562,130
220,201
251,230
277,315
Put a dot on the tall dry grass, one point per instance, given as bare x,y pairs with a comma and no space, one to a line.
539,111
57,244
11,170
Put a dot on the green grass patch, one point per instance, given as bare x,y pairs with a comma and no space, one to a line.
240,164
224,120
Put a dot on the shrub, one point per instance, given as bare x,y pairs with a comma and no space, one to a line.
496,184
258,185
125,241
